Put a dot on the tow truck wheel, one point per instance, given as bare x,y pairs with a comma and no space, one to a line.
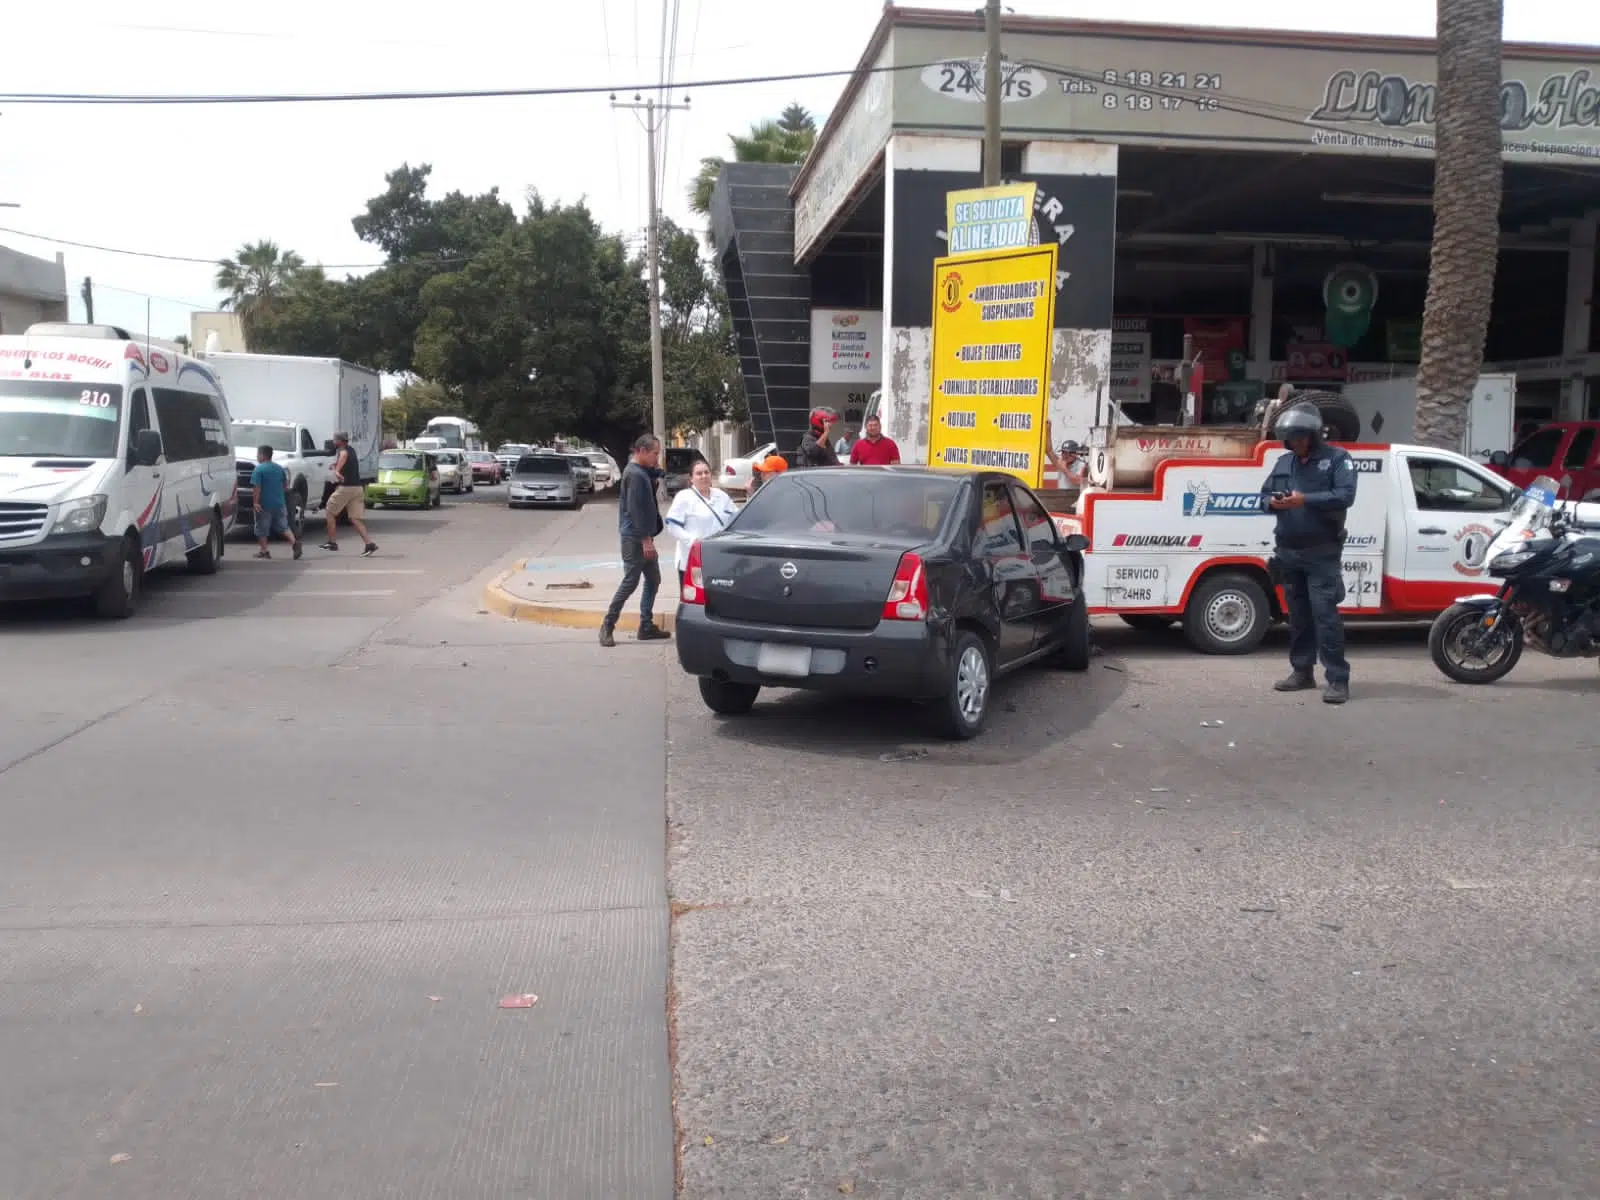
1228,613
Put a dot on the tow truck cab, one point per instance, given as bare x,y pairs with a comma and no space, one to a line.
1192,546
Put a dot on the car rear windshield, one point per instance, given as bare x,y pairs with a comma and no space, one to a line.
543,464
862,502
394,461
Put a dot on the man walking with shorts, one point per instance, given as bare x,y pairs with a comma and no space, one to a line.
349,496
268,486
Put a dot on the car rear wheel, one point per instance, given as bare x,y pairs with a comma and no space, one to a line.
965,705
1077,643
729,699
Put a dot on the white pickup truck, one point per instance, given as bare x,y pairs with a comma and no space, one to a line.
294,448
1193,545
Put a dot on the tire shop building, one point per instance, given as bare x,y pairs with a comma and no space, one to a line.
1268,194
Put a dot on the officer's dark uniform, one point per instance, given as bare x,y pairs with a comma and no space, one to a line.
1310,546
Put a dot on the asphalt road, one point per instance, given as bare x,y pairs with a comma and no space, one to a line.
1113,950
276,849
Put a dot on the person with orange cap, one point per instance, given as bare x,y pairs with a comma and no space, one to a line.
760,472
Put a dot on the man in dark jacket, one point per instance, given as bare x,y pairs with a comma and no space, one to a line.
638,525
1310,489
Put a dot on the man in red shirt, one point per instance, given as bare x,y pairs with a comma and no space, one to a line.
874,450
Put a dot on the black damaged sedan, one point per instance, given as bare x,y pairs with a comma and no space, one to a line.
885,581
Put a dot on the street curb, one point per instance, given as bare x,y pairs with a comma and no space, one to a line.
498,600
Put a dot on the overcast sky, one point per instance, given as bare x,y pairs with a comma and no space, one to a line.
199,181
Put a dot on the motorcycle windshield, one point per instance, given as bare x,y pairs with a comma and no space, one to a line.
1530,516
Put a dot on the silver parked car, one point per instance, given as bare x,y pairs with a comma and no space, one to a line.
540,479
583,467
455,472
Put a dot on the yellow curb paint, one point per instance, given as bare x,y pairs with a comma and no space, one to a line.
504,603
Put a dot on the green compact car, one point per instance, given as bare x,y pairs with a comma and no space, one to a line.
408,478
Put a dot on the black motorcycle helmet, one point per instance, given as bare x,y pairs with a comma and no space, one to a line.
1297,421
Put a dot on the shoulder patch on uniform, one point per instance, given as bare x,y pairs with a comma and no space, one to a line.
1324,464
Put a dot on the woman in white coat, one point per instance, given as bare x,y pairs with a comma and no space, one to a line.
697,512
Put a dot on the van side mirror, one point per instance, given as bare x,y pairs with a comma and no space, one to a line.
1499,459
146,448
1075,543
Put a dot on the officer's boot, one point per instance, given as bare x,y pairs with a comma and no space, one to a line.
1296,681
1336,693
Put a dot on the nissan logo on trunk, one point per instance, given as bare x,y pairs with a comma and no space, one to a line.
788,570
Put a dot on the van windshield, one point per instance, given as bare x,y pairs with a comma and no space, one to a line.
53,419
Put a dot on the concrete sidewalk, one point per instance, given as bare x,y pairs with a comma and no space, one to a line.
573,591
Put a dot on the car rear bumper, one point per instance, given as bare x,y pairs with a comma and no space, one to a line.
58,567
906,659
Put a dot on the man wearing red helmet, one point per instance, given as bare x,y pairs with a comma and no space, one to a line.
816,448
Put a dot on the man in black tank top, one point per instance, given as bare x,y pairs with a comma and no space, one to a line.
349,496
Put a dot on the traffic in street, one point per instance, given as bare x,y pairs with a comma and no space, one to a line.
282,844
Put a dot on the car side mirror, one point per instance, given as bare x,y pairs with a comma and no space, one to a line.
1075,543
146,448
1499,459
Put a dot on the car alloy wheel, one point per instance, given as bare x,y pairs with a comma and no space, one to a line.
972,684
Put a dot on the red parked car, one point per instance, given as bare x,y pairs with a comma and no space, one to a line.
486,468
1568,451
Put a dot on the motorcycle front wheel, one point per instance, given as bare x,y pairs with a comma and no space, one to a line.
1467,652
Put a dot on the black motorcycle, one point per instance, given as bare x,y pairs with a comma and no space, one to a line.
1549,598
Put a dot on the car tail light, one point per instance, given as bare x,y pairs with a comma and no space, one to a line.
908,594
694,590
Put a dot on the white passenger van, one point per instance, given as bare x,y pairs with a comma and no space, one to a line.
115,459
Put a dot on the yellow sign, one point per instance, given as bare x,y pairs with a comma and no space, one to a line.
984,220
992,320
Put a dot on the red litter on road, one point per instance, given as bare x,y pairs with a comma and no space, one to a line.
526,1000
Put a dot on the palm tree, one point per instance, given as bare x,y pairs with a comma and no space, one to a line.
1467,175
787,140
257,280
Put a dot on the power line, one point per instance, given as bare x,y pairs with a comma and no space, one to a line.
455,94
211,262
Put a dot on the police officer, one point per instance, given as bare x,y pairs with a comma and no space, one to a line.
1310,489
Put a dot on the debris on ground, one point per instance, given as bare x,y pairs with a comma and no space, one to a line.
120,1158
522,1000
903,755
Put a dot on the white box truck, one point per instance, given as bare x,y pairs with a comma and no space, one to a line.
324,395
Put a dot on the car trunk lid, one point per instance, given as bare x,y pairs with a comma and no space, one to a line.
826,582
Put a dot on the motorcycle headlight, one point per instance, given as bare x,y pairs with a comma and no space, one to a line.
1502,563
83,515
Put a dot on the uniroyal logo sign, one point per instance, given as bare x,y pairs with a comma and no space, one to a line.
1156,541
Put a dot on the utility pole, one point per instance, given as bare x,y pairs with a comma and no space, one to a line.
88,300
993,85
653,110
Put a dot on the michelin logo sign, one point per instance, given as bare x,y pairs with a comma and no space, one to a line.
1200,501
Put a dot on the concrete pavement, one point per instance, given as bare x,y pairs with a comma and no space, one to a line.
276,849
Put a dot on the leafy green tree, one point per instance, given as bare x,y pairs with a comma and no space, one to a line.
787,140
256,281
534,329
702,376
